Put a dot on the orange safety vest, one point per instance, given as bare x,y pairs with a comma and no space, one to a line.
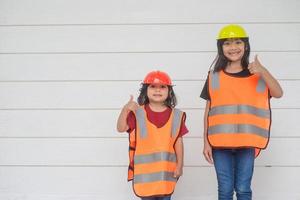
152,155
239,113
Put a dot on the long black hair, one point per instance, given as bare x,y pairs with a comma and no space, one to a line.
143,99
221,62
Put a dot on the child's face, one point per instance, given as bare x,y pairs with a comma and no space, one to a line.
157,93
234,49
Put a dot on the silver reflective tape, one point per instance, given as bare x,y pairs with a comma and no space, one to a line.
176,121
261,85
153,177
155,157
240,109
215,80
238,128
141,121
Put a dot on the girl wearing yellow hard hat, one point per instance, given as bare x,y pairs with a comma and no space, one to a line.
237,114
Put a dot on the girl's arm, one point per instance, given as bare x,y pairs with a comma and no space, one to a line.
122,125
122,120
273,85
207,150
179,156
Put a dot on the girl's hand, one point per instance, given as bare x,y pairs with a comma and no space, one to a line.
207,152
178,171
131,105
256,67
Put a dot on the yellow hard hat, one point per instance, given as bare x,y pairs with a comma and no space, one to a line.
232,31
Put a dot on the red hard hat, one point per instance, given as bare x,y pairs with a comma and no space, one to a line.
157,77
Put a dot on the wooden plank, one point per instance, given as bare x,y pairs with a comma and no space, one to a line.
102,123
130,66
142,11
114,152
89,95
89,183
134,38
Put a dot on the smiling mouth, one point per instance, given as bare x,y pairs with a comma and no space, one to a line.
234,53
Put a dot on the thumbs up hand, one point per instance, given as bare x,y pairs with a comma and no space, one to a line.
131,104
256,67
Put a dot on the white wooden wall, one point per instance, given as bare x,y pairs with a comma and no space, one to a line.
68,66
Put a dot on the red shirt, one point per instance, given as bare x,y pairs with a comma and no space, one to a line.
159,119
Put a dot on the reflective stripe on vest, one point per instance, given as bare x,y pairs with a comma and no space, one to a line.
154,157
239,113
261,86
140,117
154,177
176,121
238,128
239,109
215,81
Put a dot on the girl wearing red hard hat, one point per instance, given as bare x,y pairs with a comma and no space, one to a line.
155,130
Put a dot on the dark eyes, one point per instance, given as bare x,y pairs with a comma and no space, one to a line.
237,42
160,86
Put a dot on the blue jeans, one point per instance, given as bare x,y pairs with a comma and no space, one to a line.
157,198
234,168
